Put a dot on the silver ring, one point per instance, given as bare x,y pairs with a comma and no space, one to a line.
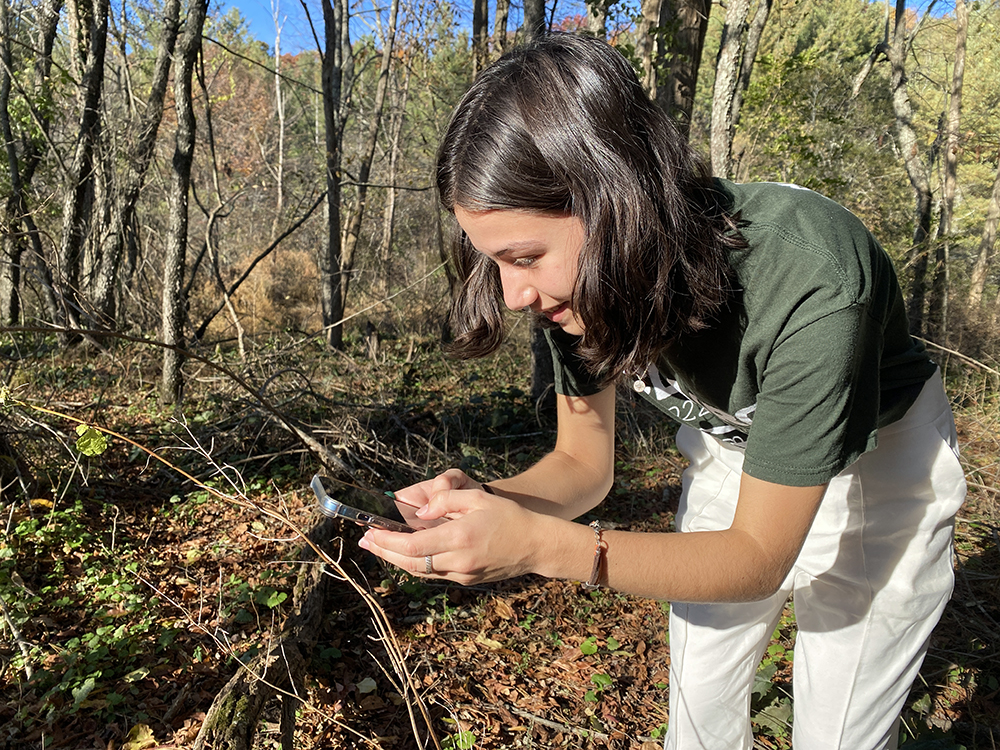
428,565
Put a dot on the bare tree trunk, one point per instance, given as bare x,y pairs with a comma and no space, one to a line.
48,22
937,312
597,17
121,213
727,78
88,41
389,215
534,19
746,69
12,247
480,36
985,254
645,43
353,232
174,301
686,22
500,26
915,169
331,302
279,108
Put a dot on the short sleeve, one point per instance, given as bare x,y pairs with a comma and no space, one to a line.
818,406
571,375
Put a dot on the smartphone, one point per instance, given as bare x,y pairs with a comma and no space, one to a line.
330,507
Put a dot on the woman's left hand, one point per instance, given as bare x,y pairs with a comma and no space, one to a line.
488,539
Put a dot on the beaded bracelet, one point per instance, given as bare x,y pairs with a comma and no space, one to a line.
599,547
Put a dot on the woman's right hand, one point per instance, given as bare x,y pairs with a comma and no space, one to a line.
410,499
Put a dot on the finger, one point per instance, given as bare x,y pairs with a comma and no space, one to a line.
451,503
409,558
410,497
453,479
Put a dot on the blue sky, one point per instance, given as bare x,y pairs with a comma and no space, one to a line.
296,35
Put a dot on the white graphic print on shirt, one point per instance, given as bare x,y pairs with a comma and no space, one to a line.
669,397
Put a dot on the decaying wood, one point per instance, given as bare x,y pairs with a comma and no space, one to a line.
232,720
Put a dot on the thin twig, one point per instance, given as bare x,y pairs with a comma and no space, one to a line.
16,635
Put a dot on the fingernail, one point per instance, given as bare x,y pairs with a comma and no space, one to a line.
363,541
423,510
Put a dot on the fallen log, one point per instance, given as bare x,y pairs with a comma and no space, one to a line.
233,718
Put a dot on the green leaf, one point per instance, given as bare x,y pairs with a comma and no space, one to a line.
602,681
460,741
269,597
90,442
589,646
613,644
763,680
80,694
776,717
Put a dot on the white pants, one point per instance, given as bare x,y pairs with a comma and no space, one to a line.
869,585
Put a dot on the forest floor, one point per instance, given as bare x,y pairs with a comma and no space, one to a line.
131,594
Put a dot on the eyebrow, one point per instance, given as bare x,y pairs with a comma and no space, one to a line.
519,246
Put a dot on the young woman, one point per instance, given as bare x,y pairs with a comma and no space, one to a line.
768,322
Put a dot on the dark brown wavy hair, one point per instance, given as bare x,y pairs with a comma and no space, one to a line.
564,126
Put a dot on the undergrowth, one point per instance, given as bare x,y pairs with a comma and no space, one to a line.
132,593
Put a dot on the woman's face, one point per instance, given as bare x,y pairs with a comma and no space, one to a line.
537,255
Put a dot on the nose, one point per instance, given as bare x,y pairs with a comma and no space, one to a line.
517,293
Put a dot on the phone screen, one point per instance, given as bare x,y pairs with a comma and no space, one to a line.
335,509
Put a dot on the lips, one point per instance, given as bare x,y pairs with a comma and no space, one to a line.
556,313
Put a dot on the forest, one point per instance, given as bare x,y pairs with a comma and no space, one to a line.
224,268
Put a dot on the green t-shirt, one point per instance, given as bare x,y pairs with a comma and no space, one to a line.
812,356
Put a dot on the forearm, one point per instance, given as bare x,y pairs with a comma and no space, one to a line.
558,485
745,562
709,566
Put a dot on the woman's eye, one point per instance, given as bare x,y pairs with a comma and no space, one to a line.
524,262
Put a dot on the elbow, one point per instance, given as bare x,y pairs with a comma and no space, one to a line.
766,574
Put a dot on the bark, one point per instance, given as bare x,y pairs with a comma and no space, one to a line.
984,255
329,260
480,36
12,247
686,21
534,19
727,78
279,108
754,35
122,212
88,39
597,17
937,312
48,23
916,171
500,26
645,43
174,315
353,232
